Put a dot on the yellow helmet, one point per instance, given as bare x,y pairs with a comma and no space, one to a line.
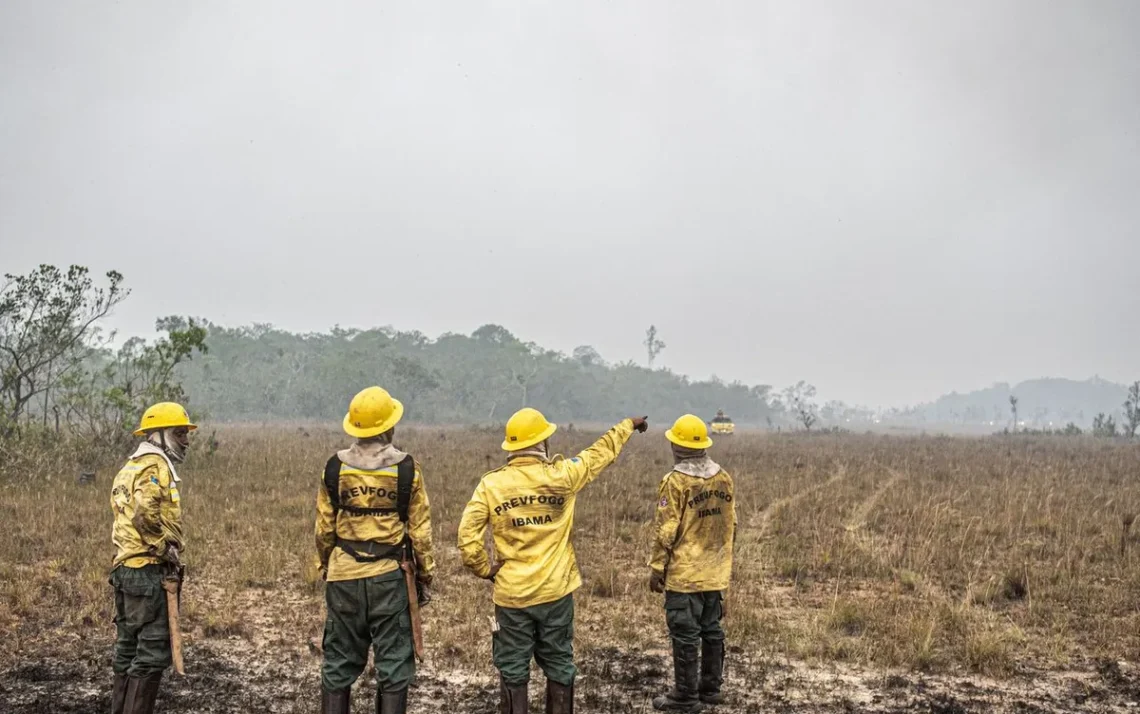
372,412
526,428
690,432
162,416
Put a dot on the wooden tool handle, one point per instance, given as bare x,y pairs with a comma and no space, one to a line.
171,588
414,610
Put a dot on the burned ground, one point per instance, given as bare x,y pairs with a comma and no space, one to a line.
611,682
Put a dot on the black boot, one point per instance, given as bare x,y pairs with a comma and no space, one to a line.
712,671
337,702
392,702
512,700
559,698
119,694
683,698
142,692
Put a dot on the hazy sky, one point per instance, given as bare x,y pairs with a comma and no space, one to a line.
888,199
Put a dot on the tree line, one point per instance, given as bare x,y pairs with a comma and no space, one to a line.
61,374
260,371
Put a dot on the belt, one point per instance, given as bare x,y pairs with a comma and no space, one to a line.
370,551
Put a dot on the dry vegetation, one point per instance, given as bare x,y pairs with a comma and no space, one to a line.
873,574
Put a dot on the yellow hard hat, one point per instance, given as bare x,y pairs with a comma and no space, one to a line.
690,432
162,416
526,428
371,413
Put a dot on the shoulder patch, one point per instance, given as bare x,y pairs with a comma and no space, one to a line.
664,503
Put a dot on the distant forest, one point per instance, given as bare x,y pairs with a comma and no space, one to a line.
260,372
62,375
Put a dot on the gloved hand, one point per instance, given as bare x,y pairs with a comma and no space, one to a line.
640,424
423,587
172,556
494,571
657,581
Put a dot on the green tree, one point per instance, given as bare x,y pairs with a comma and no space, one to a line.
587,355
103,402
46,317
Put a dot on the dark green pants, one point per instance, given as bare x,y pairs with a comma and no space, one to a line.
545,632
370,612
693,617
142,642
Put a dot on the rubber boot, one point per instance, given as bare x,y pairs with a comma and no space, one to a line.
337,702
559,698
712,671
142,693
512,700
683,698
119,694
392,702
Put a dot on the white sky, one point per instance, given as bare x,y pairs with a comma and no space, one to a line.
890,199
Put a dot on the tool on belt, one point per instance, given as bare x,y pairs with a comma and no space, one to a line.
371,551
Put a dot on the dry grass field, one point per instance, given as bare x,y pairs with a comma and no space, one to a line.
877,574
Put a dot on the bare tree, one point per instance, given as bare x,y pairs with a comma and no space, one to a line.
1013,410
1104,426
798,399
1132,411
522,377
653,345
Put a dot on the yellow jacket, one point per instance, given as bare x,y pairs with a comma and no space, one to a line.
695,527
529,505
147,508
373,487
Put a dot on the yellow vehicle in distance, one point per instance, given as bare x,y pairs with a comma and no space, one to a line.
721,424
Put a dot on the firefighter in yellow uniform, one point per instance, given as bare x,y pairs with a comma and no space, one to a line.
529,506
364,531
147,535
691,563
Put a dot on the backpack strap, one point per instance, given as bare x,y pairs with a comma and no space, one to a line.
405,475
332,482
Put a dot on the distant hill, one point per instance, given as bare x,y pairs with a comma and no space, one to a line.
1040,401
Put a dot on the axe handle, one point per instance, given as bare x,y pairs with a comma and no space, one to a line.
171,588
414,609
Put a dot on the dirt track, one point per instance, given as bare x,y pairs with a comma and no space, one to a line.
287,682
